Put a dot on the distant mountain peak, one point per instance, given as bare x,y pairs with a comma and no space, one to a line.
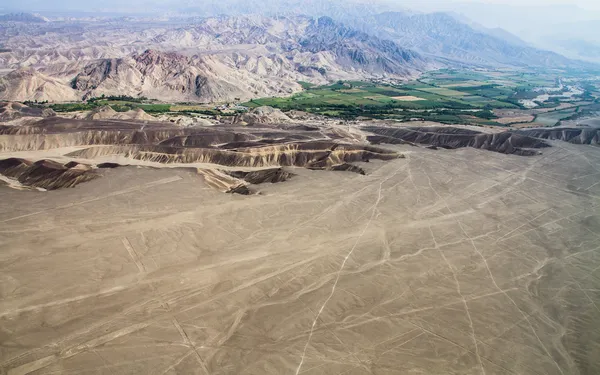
445,37
325,21
23,17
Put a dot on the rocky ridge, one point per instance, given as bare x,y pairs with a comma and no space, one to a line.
212,60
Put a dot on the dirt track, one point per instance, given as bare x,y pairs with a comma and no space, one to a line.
445,262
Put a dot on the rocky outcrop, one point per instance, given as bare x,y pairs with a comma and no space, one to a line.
207,138
306,154
264,148
347,168
46,174
580,136
12,110
272,176
172,77
60,132
239,182
360,50
29,84
108,165
452,138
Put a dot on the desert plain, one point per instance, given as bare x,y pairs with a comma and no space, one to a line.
446,261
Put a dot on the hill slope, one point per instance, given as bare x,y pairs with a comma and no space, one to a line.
217,59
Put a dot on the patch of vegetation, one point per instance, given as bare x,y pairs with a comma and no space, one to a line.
353,99
449,96
73,107
154,108
485,114
306,85
119,106
119,98
35,103
524,94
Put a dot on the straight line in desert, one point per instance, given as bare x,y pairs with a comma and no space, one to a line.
116,193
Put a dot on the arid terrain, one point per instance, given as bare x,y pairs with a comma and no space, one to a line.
298,187
356,248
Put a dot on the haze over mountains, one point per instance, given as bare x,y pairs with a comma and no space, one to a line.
252,49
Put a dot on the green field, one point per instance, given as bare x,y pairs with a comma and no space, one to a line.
449,96
426,97
125,104
444,91
360,98
117,105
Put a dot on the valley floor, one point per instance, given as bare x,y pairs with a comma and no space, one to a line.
449,261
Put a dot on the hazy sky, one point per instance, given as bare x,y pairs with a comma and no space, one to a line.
481,6
581,3
586,4
430,4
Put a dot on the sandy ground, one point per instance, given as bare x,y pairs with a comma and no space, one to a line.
407,98
524,125
446,262
508,120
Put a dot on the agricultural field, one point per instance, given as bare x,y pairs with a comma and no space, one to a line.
444,91
416,99
367,97
125,103
119,105
480,97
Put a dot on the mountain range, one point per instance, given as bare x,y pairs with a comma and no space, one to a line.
229,57
203,60
442,36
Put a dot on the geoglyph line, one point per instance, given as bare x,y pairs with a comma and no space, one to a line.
116,193
373,211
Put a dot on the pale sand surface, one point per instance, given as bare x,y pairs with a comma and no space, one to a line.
446,262
520,119
407,98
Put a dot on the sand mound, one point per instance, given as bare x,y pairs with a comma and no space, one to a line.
135,114
46,174
102,113
452,138
202,122
184,121
263,115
